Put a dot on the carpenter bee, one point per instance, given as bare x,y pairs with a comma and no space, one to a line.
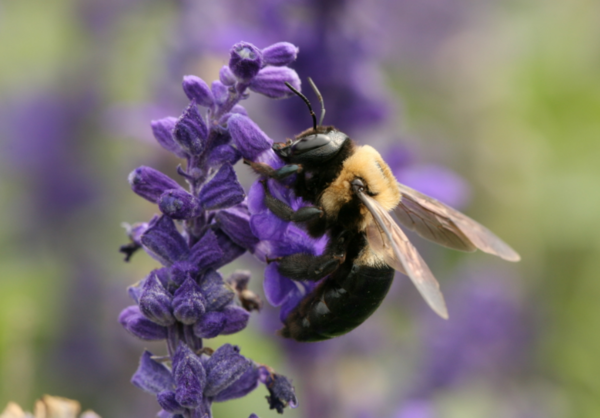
352,191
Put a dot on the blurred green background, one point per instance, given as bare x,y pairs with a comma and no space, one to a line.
508,97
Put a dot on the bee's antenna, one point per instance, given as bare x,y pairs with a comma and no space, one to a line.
320,96
303,97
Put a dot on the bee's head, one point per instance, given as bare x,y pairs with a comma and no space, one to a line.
312,146
316,145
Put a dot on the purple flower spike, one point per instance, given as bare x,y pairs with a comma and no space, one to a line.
222,191
226,76
133,321
280,54
167,401
245,61
197,90
270,81
150,183
250,140
235,222
179,204
236,319
163,242
190,130
155,302
224,368
188,302
210,325
190,377
151,376
163,132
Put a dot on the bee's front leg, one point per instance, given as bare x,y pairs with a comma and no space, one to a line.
283,211
268,171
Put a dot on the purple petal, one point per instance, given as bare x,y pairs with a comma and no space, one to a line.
220,92
270,81
163,242
135,322
276,287
155,302
245,60
226,76
256,198
241,387
197,90
248,137
223,154
210,325
179,204
190,377
235,222
224,368
151,376
188,302
230,249
163,132
190,130
267,226
216,293
236,319
280,54
167,401
222,191
150,183
206,252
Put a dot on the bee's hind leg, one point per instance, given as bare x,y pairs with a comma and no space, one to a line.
283,211
268,171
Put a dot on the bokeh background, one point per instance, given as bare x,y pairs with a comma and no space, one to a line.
493,107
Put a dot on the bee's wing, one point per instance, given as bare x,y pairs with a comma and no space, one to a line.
387,239
446,226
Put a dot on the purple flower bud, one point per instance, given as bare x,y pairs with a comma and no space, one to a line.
163,132
236,319
190,377
210,325
235,222
223,154
163,242
222,191
241,387
151,376
188,302
167,401
226,76
197,90
155,302
133,321
245,60
270,81
219,91
179,204
190,130
224,368
248,137
239,109
216,293
150,183
280,389
280,54
206,252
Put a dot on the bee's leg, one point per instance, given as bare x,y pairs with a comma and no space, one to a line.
268,171
303,266
283,211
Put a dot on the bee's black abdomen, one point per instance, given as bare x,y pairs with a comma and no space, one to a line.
339,304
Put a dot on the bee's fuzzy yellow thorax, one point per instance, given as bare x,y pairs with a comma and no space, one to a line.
367,164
